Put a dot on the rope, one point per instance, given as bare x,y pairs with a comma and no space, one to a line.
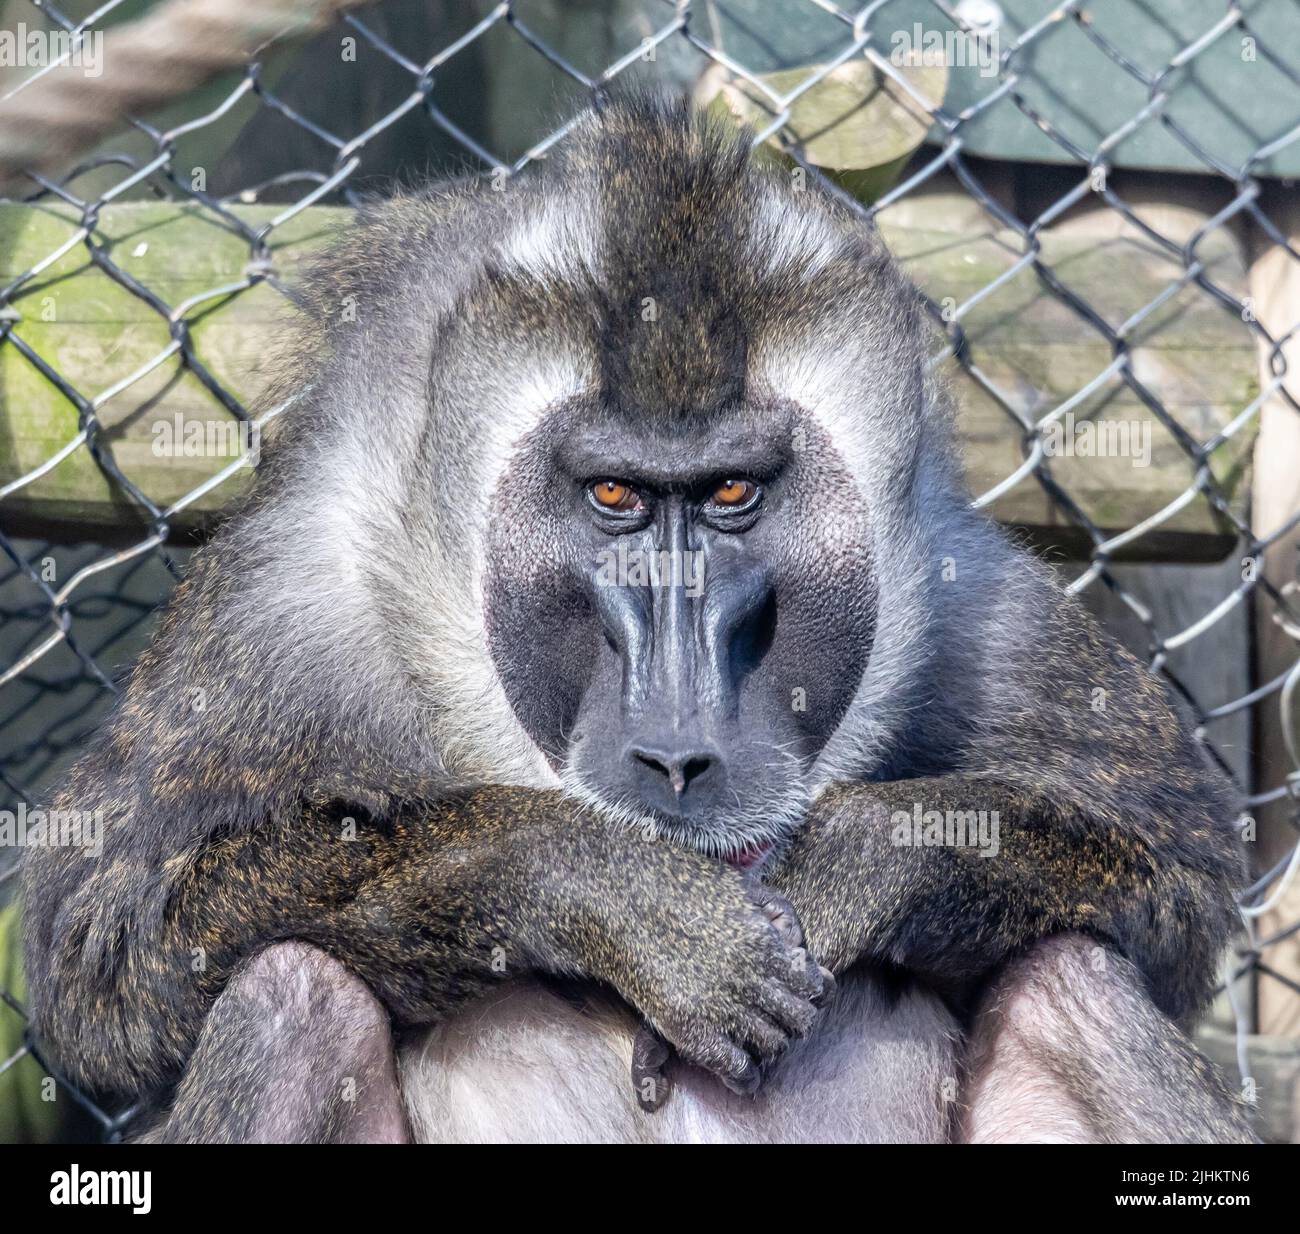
48,121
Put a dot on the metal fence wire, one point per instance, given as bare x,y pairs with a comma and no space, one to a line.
67,640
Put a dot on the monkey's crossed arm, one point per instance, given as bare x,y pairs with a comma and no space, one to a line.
865,884
1086,806
1093,809
429,911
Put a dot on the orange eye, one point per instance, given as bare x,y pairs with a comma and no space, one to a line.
734,493
614,495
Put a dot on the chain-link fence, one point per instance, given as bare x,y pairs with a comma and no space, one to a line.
1100,219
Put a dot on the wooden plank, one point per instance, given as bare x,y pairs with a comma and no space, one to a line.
1195,356
855,123
1190,352
1275,282
96,333
1230,96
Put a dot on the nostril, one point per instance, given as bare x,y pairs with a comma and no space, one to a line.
693,769
650,761
679,770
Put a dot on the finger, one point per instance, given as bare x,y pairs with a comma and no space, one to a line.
765,1037
650,1055
829,986
781,913
796,1015
736,1069
799,973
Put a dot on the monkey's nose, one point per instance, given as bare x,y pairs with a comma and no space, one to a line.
680,768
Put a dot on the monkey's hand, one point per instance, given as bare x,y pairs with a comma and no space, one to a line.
712,960
790,1014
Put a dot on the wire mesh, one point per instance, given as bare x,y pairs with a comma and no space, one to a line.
66,641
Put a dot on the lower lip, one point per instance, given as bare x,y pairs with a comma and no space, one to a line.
748,858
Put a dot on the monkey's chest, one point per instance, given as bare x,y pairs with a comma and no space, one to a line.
527,1066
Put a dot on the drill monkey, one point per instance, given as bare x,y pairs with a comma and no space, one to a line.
395,839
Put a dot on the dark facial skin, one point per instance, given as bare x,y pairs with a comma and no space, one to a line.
680,615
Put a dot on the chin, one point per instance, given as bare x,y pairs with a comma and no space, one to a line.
746,834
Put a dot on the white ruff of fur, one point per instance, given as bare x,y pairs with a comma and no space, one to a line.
775,827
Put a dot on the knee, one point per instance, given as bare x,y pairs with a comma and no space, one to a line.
1068,1045
1058,982
294,982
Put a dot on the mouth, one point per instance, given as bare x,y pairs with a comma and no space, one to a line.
748,858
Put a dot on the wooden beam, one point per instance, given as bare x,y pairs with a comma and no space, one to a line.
95,333
1275,282
1035,352
1195,355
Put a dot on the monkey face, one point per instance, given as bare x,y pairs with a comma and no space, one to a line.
666,417
681,613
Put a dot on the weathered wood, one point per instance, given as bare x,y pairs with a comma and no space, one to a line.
1192,353
1275,284
855,123
1229,95
95,333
